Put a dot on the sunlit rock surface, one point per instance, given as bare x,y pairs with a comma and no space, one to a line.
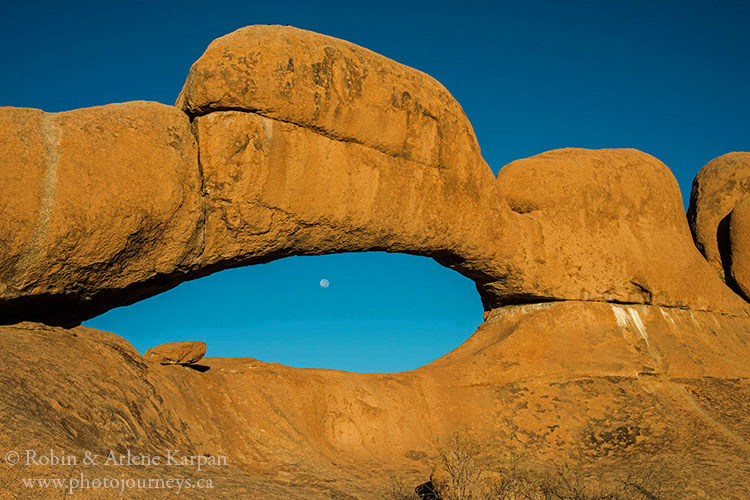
608,339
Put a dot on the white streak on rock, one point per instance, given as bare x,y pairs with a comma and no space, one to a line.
621,316
638,323
628,317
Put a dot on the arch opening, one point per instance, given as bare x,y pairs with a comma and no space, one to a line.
381,312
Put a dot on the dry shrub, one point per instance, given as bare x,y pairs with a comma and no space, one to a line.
398,490
465,472
460,459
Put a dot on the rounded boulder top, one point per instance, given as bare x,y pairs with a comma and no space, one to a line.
336,88
717,189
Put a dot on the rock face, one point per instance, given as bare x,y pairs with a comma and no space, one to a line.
621,387
337,89
739,247
605,225
717,189
309,145
176,353
276,189
95,202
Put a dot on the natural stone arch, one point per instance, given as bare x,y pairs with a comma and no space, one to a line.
294,143
124,209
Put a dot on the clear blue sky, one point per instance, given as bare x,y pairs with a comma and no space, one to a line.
669,78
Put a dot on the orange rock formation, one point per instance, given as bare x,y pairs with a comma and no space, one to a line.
608,338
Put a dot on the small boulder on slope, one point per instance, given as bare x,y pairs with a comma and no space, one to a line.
177,353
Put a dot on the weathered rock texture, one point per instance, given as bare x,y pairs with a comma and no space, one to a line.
285,142
97,205
739,247
719,186
300,190
311,145
176,353
616,387
606,225
337,89
275,189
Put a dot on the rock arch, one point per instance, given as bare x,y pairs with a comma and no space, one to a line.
285,142
103,206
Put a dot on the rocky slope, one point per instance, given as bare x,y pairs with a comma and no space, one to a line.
605,385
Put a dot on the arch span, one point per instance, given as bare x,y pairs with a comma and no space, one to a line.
286,142
119,206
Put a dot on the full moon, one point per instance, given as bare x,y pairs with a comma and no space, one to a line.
324,283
